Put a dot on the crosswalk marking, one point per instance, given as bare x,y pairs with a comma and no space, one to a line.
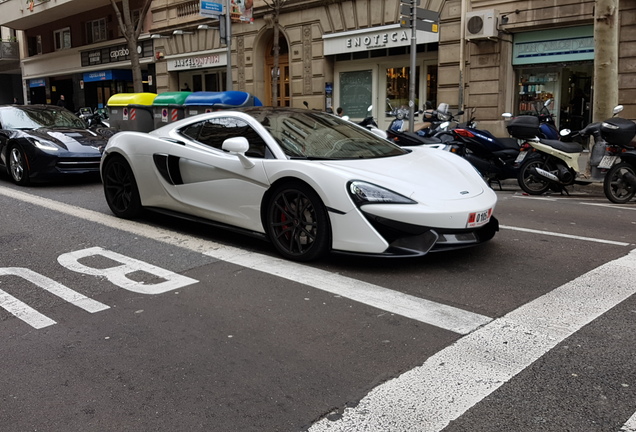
429,397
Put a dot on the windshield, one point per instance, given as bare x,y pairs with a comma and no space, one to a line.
40,117
318,135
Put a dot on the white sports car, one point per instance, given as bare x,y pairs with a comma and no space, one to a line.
308,181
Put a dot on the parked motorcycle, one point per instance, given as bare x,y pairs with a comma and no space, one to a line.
431,133
96,120
545,163
619,183
495,158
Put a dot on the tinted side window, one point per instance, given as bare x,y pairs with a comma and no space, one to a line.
213,132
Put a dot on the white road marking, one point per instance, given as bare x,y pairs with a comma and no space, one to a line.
429,397
614,206
436,314
630,424
29,315
555,234
23,311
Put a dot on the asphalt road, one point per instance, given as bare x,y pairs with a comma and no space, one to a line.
159,325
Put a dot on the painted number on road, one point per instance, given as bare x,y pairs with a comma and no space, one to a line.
116,274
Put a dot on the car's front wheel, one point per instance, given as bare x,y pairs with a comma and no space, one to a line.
17,166
120,188
297,222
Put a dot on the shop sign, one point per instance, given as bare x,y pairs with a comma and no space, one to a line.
115,53
198,62
40,82
376,38
552,46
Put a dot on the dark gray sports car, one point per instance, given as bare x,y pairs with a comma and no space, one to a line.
43,142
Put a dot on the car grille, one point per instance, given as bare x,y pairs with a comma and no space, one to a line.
78,164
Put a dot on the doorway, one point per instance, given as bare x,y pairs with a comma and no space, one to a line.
283,87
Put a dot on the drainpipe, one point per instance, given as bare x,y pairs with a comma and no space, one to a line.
462,48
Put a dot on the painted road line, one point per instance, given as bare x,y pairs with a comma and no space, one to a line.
436,314
429,397
614,206
555,234
23,311
630,424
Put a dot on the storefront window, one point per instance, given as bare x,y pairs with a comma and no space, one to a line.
397,87
567,87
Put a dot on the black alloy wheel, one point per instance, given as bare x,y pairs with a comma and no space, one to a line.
529,180
297,222
120,188
17,165
616,188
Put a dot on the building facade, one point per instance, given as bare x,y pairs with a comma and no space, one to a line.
492,55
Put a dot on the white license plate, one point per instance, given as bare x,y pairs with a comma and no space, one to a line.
607,162
521,156
478,218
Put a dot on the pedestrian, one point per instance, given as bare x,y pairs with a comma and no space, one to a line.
339,111
186,87
61,102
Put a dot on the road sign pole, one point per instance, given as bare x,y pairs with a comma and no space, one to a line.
412,74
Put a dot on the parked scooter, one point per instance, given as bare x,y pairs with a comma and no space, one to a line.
437,122
545,164
97,121
619,183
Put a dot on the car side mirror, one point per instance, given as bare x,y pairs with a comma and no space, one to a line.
238,146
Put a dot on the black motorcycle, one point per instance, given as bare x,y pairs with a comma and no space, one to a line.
432,130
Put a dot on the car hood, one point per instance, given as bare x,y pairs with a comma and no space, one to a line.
422,175
73,140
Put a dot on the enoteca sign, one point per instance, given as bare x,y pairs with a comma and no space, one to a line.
375,38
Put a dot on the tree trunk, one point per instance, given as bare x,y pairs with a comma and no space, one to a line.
605,96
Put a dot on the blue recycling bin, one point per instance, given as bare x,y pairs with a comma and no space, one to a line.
202,102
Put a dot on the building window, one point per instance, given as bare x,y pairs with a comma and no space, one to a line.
62,38
96,31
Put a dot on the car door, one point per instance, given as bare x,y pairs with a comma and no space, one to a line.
216,184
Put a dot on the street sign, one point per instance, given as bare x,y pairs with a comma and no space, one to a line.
211,8
421,14
420,25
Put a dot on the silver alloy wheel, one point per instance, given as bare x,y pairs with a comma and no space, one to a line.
17,167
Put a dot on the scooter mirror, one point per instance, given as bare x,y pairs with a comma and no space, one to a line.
565,132
306,104
548,102
507,116
617,109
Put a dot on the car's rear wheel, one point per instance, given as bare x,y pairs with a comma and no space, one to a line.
120,188
297,222
17,166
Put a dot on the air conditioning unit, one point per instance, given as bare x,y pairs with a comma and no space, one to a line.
482,24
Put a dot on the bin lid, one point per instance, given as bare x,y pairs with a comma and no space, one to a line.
171,98
230,98
125,99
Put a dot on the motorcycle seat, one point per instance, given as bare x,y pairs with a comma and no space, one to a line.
566,147
509,143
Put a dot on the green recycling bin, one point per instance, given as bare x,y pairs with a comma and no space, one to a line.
168,107
132,111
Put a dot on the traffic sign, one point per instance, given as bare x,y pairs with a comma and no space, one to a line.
420,25
421,14
211,8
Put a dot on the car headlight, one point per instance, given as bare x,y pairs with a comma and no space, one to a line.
367,193
44,145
